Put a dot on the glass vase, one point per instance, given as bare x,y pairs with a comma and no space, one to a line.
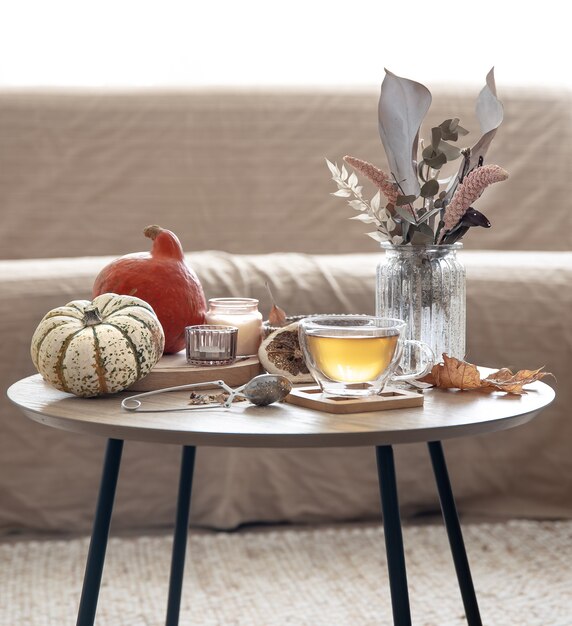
425,287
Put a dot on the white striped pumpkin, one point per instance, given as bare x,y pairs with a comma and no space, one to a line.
94,348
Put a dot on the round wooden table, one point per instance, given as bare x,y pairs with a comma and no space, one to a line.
168,419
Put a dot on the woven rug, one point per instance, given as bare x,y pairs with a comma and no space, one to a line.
335,576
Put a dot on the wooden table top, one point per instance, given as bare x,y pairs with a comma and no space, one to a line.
445,414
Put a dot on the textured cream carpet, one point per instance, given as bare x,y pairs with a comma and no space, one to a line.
334,576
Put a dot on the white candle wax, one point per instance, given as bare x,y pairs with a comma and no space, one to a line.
248,320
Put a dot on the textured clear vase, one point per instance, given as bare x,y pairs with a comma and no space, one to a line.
425,287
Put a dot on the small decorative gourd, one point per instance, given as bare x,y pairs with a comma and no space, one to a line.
94,348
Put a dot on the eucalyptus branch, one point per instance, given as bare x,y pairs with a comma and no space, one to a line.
429,215
411,209
466,152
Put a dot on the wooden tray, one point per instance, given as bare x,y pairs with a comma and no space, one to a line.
312,398
173,370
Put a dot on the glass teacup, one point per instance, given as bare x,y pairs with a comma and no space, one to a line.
357,355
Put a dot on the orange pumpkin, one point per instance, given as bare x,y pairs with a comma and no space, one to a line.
162,279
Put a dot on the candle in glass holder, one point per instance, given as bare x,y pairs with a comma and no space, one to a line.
242,313
210,344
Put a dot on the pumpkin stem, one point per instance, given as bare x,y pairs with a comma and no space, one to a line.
165,243
91,316
152,231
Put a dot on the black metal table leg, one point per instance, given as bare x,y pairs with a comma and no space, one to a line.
393,537
453,526
100,533
180,537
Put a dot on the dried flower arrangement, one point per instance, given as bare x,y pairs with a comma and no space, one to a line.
443,213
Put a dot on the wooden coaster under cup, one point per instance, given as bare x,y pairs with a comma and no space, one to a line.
313,398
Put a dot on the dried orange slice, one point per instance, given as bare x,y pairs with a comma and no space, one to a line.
280,353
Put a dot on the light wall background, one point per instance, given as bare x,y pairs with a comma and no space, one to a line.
151,43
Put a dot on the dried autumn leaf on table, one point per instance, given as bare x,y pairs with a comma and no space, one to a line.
456,374
505,380
276,317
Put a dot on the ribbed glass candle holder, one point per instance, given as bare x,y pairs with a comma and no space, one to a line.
425,287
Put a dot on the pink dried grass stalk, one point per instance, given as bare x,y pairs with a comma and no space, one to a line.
376,176
468,191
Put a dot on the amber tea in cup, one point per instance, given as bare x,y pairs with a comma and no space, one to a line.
356,355
352,359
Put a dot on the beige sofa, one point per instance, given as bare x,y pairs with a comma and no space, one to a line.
241,178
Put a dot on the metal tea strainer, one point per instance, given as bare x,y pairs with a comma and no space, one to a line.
261,390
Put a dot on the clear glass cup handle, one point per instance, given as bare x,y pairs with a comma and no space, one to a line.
427,362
